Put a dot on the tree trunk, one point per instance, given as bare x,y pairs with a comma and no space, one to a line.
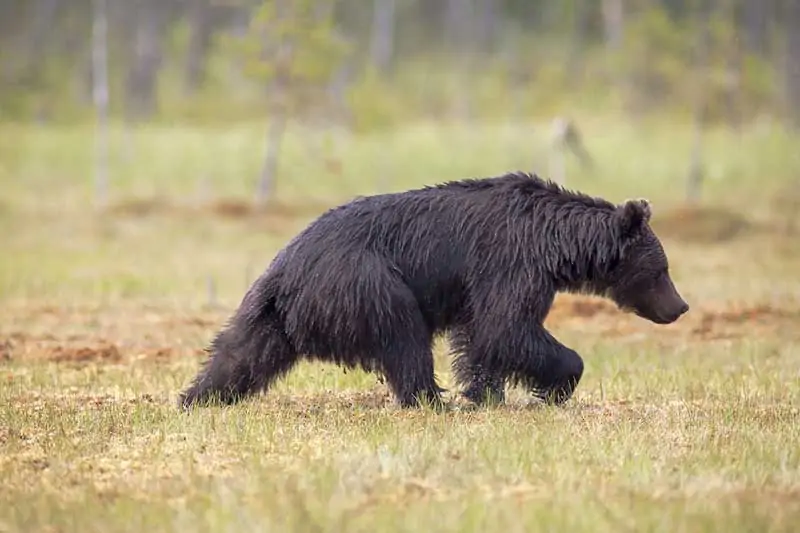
793,60
694,179
581,17
382,40
141,83
100,97
26,49
458,23
44,17
459,33
202,31
756,25
269,172
486,15
613,20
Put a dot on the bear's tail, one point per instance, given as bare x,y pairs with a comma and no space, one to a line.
248,355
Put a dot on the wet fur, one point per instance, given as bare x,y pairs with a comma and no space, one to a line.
370,283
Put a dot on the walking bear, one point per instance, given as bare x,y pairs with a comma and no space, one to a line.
370,283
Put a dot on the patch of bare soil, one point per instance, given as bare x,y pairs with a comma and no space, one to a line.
732,323
140,207
99,334
99,352
231,208
225,208
578,312
278,215
786,205
703,224
78,349
113,336
6,347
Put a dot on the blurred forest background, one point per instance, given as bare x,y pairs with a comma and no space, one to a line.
377,63
337,68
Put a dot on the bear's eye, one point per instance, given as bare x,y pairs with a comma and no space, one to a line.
656,275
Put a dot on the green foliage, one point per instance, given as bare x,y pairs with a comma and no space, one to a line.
665,65
294,49
373,103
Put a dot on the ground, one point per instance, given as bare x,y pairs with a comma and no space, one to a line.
689,427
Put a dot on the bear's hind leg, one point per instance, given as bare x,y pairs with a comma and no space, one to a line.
401,340
243,360
484,388
408,368
481,384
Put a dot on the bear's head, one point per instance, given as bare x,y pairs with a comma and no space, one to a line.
640,281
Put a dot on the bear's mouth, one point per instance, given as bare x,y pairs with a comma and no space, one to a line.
661,319
655,318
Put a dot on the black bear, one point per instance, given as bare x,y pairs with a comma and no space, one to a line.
370,283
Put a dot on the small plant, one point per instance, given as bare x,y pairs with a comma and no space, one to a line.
292,47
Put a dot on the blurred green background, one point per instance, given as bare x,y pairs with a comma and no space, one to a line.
316,101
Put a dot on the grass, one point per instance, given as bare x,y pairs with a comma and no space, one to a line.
688,427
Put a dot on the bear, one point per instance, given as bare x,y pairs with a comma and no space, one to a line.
372,282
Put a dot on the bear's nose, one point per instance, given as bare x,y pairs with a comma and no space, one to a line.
684,309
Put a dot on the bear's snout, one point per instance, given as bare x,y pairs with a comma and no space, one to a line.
682,310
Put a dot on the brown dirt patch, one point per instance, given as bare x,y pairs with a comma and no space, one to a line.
232,208
703,224
600,316
80,349
100,352
140,207
101,336
84,334
786,206
224,207
732,323
6,347
276,215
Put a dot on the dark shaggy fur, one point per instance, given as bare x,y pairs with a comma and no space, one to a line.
370,283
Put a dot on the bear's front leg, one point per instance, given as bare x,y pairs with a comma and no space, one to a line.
555,370
505,339
528,356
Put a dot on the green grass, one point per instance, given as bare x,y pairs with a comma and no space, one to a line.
103,318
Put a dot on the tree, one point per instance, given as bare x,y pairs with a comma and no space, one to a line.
293,48
202,32
613,18
100,97
793,59
382,39
757,14
152,21
694,179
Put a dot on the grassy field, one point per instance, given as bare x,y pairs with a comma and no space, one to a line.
104,316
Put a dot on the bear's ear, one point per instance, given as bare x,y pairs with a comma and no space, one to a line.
632,215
